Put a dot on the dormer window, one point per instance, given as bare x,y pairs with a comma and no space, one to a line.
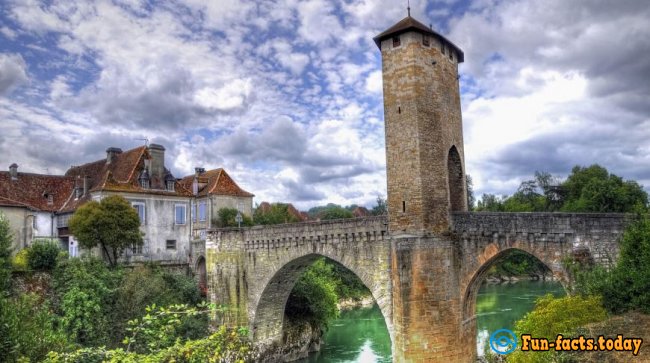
396,42
170,185
425,40
77,192
50,199
144,179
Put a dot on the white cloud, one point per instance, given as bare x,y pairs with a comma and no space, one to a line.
13,72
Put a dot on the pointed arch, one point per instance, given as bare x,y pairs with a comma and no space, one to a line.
456,181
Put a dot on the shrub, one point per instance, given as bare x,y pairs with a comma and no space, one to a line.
28,329
5,254
20,262
552,316
42,255
314,297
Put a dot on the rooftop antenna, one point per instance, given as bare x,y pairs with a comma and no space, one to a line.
146,141
408,7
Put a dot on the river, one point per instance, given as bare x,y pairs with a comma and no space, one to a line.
360,335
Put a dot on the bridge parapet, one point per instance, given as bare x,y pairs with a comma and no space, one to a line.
598,232
367,229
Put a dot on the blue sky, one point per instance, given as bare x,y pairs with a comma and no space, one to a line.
286,95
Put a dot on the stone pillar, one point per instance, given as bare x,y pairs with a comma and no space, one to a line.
427,310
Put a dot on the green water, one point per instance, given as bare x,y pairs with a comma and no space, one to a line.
360,335
500,306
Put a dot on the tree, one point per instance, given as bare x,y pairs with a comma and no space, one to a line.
276,213
335,212
380,209
470,192
594,189
111,224
5,254
227,217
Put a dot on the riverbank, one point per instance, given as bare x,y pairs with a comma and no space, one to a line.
506,279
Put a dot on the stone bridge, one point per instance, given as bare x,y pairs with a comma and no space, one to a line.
425,285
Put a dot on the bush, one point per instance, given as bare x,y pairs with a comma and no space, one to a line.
20,262
5,254
552,316
42,255
222,346
314,297
227,217
28,329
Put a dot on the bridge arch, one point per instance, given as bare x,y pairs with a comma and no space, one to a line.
492,255
267,314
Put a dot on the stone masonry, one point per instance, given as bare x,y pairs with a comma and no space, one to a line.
424,262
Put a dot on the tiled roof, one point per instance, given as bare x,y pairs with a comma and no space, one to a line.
120,175
215,182
410,23
31,190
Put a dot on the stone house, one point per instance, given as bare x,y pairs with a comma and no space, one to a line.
213,190
30,202
41,205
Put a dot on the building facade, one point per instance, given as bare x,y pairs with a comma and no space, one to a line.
172,212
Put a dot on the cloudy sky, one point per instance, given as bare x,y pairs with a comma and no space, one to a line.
287,94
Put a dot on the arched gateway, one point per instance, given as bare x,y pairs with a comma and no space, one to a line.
424,261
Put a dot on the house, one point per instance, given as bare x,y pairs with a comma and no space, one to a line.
30,202
212,191
173,212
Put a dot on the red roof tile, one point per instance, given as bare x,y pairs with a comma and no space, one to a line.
215,182
32,190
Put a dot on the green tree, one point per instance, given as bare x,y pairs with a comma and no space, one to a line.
470,192
314,296
5,254
594,189
381,208
335,212
278,213
111,224
490,203
227,217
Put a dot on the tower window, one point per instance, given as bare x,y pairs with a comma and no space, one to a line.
451,55
403,206
399,110
442,47
425,40
396,42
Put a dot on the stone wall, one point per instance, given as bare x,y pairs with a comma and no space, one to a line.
255,269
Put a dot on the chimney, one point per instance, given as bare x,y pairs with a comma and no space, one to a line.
86,185
13,171
157,170
111,154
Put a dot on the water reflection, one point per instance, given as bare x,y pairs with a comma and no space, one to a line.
359,335
500,306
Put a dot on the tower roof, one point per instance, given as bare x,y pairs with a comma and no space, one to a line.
409,24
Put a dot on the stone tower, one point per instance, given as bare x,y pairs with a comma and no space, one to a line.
424,132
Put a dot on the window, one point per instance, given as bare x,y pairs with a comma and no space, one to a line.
139,207
170,185
137,249
144,183
451,55
62,220
50,199
180,212
202,215
425,40
403,206
170,244
442,47
193,208
396,42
